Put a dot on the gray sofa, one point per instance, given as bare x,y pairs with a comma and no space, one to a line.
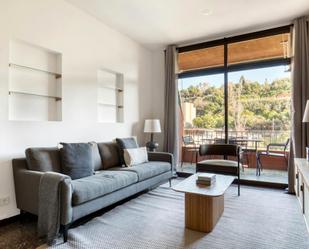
110,183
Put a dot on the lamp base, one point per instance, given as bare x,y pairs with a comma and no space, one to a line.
152,146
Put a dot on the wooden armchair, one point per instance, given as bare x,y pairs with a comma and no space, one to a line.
221,166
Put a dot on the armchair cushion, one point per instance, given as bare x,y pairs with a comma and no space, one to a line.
218,166
220,163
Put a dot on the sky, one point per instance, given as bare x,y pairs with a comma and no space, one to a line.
269,73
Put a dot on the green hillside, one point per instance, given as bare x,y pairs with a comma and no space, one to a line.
252,105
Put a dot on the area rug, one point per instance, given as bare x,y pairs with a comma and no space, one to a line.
259,218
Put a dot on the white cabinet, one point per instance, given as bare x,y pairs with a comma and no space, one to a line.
302,185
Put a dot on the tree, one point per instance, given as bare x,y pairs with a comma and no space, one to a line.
252,105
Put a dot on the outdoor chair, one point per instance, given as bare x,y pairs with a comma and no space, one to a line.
189,145
223,166
266,153
243,143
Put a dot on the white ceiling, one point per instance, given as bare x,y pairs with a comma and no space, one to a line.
156,23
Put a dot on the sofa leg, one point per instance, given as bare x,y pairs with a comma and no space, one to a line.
170,182
64,229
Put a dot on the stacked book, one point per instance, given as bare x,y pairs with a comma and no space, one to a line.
206,179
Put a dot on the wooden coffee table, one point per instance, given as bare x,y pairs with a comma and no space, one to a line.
204,205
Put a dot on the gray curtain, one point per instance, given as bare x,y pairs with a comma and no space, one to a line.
300,94
171,132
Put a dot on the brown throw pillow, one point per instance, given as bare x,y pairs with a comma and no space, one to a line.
110,155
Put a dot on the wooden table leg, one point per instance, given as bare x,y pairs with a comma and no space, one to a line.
202,212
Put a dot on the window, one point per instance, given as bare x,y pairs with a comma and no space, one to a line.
202,103
239,88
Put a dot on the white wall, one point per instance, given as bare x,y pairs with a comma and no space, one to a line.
86,45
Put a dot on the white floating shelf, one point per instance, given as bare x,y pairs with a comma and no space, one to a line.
35,94
112,105
57,75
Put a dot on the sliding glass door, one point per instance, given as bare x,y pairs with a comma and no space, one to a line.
259,114
237,90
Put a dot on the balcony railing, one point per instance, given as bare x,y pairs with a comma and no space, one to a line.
274,168
204,136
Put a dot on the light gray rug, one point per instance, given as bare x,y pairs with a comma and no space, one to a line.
259,218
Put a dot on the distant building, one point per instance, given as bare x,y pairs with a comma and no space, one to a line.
189,113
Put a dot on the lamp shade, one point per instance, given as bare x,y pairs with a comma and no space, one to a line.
152,126
306,113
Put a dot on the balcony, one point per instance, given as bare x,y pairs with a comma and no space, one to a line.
274,168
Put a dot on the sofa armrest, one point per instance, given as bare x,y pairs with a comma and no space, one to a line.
162,157
66,202
27,183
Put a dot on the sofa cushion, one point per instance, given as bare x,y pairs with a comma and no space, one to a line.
110,155
147,170
97,161
43,159
135,156
102,183
126,143
77,160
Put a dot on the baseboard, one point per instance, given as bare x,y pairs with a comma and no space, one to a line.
276,185
9,220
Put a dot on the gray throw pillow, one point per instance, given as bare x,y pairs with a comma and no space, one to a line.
126,143
77,161
43,159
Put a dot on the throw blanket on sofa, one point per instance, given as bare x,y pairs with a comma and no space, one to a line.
49,205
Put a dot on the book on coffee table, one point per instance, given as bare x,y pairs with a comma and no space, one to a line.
206,178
